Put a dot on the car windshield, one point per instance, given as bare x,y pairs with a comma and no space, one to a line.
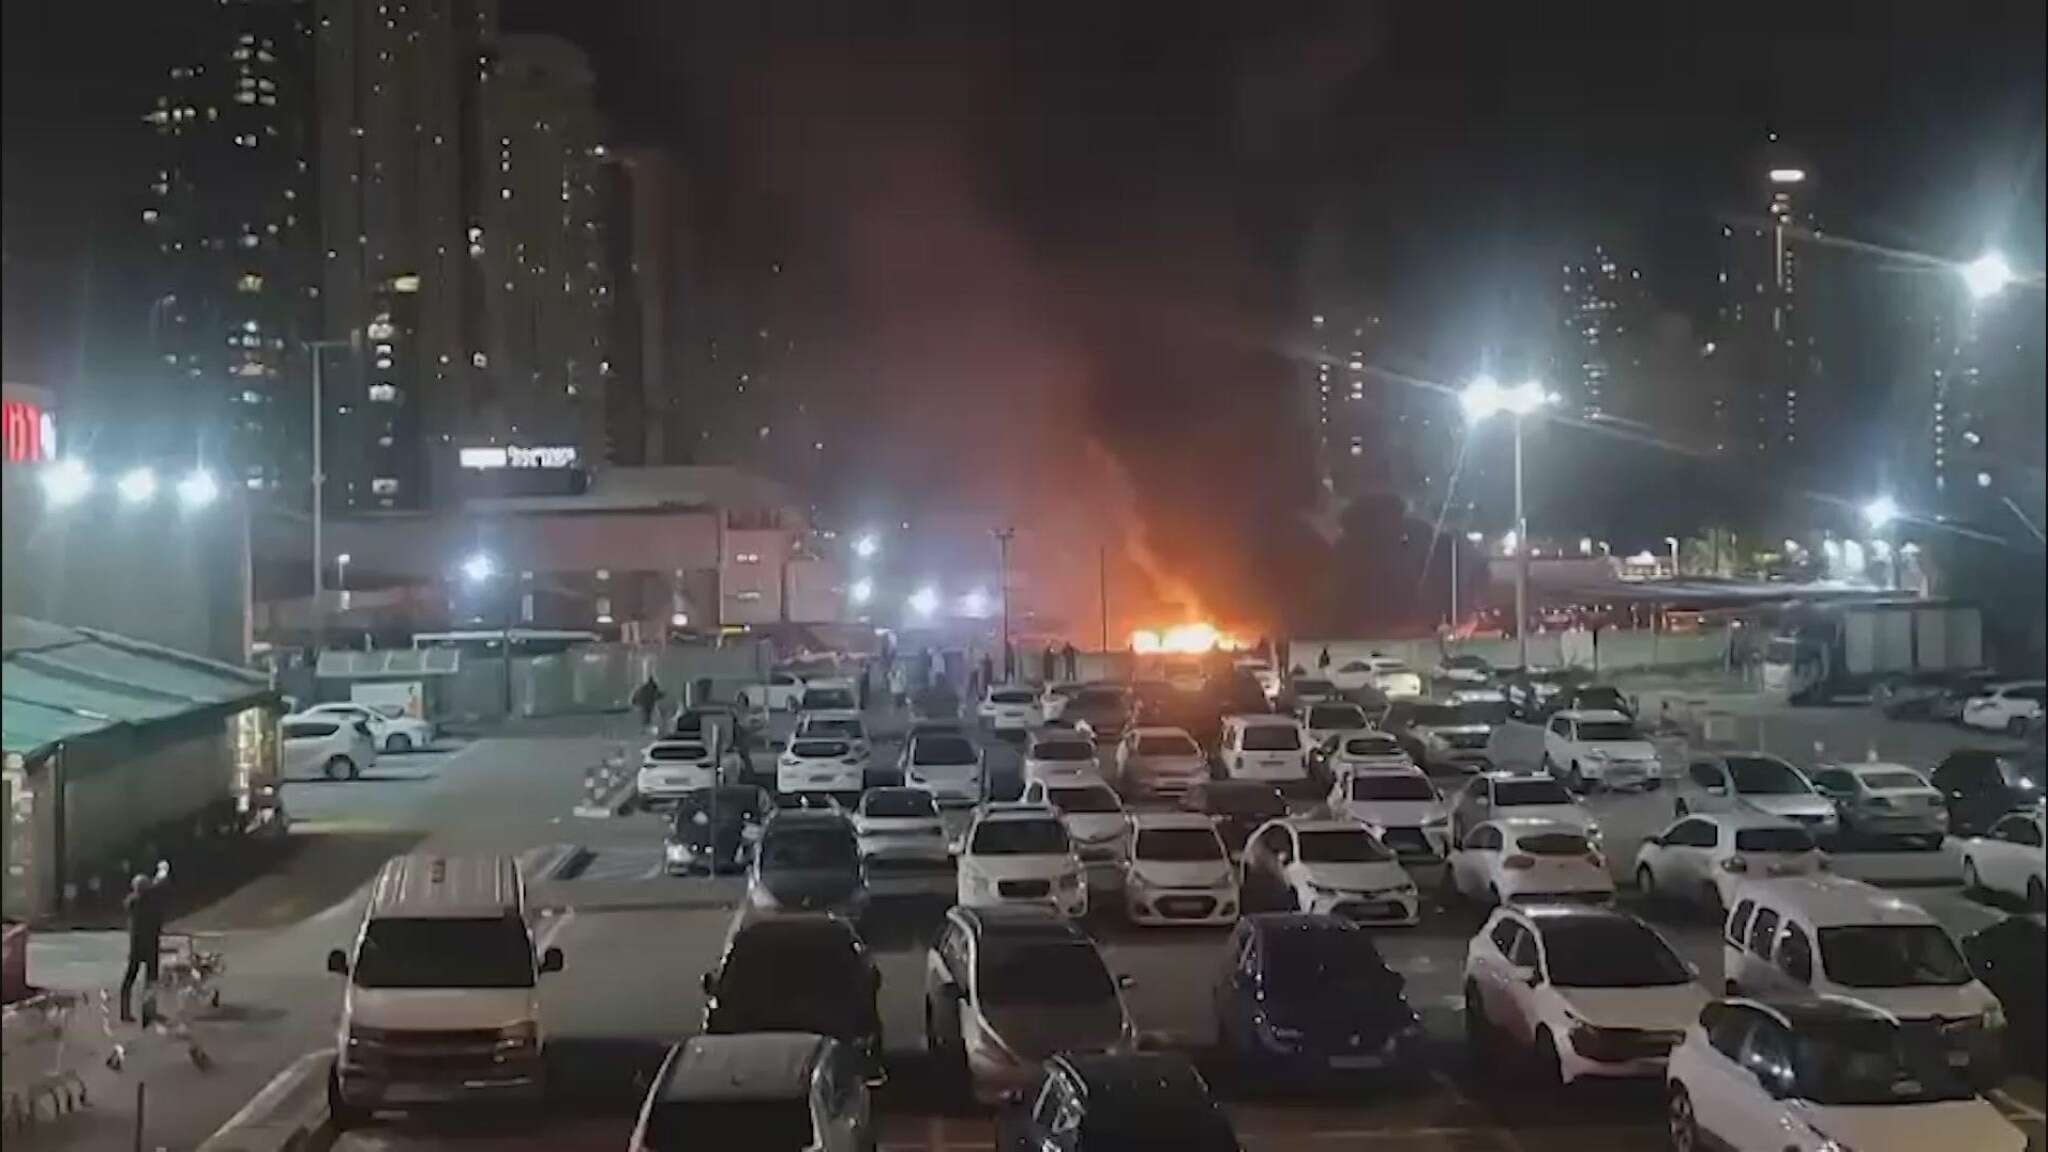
1553,844
1596,731
1171,745
1314,688
1891,956
1372,746
1012,696
684,752
1606,699
1244,800
462,952
1763,776
941,749
898,802
809,848
844,729
829,700
1787,840
1609,952
1320,958
1871,1062
1066,972
1342,846
1890,781
1093,799
1272,738
1491,713
819,749
756,1125
1336,716
1522,793
1390,786
1063,751
1020,838
1177,844
1426,716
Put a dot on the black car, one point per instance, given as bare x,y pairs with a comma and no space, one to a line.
1980,785
1941,700
1103,710
808,860
714,829
1237,807
1308,996
1113,1103
2008,957
798,972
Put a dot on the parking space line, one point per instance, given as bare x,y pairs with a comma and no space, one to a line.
2015,1107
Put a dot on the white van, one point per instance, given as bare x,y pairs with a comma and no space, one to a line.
1831,936
441,1005
1265,747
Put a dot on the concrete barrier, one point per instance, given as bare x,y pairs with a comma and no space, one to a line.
288,1115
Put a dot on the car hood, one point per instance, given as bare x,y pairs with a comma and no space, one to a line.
1020,867
1623,749
1670,1008
1791,804
1035,1031
1181,873
1451,729
1570,814
1369,1014
1169,765
1356,877
827,1007
1972,1123
1919,1003
1094,827
439,1009
1394,813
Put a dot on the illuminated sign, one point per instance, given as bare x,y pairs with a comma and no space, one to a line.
31,432
491,459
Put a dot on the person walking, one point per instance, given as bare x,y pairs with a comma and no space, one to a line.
862,686
1323,661
645,697
144,905
1073,661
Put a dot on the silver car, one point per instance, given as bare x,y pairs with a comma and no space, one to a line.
1876,798
1151,761
1753,782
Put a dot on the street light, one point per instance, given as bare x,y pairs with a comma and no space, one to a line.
66,482
198,489
1486,397
925,601
867,546
862,591
1880,512
136,485
1987,275
1672,542
479,569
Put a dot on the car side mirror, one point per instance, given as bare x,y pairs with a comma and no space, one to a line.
1527,974
709,983
1657,839
551,959
337,962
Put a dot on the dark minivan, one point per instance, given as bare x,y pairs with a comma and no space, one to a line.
1308,996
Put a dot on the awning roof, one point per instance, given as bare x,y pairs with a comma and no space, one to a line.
62,683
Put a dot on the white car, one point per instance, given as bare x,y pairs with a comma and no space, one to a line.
1331,717
847,726
1820,1075
1156,760
1264,747
334,746
1497,795
1401,807
1702,859
1590,992
782,692
1466,669
1528,861
1010,708
1018,854
1753,782
390,726
1875,798
1090,809
1599,750
1388,675
1052,699
900,822
946,764
829,695
671,767
830,765
1264,675
1366,751
1332,866
1059,753
1178,872
2008,859
2006,707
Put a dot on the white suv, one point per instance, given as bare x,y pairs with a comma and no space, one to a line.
1264,747
1016,854
1599,750
390,726
2005,707
337,747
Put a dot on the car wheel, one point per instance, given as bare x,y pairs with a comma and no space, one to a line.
1575,780
1972,883
1646,883
340,768
2016,727
1549,1065
1680,809
398,742
1683,1126
341,1115
2037,897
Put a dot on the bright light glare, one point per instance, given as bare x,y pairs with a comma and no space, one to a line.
1585,545
479,567
136,485
1184,639
66,482
1881,511
867,546
925,601
198,489
1509,542
679,619
1987,275
1788,175
975,603
861,591
1486,396
1475,537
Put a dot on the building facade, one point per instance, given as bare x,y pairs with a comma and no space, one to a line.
1764,333
1607,316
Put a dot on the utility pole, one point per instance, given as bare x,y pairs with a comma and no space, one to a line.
1102,589
1521,557
320,496
1003,537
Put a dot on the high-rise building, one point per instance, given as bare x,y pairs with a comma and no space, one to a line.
543,252
399,84
1967,409
1766,337
232,219
1606,316
646,415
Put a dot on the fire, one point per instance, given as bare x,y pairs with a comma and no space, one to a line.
1193,639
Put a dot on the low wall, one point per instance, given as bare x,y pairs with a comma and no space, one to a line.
1617,649
590,678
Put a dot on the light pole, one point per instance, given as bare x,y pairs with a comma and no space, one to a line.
1470,538
1483,398
316,347
1003,537
1672,541
478,570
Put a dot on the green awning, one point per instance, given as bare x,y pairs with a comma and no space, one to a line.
26,729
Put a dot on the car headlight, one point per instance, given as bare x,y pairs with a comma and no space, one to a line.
524,1034
675,851
1993,1017
1222,884
1597,753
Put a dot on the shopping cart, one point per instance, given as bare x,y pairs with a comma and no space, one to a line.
188,979
39,1059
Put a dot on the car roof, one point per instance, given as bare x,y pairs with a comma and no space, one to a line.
1599,715
1835,901
1144,730
423,885
1127,1074
1164,820
1859,767
1540,913
1320,823
1020,923
1011,811
787,924
748,1066
1514,774
1534,825
1303,924
797,817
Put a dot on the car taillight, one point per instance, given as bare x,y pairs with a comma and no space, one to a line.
1518,862
1735,864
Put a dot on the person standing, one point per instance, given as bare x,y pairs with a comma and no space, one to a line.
1323,661
144,905
645,697
988,672
1073,662
862,686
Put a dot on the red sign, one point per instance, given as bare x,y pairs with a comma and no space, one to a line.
31,434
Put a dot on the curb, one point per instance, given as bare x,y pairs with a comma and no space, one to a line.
541,864
288,1115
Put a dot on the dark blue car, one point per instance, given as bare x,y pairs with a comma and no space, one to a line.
1307,996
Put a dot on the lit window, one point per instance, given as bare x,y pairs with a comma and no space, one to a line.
384,393
384,485
249,282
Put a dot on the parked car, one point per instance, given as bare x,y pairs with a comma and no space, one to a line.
1342,753
1152,761
902,841
946,764
1594,698
1019,854
1599,750
807,861
1309,690
1005,988
672,767
391,727
764,1091
2008,707
1980,785
1101,1103
2008,859
1702,859
1832,936
1495,795
334,746
1388,675
1052,699
1264,747
2007,957
715,830
1304,995
1099,711
828,695
1448,737
1328,719
1010,708
1092,812
1524,860
1877,799
1465,668
1532,691
822,766
783,691
1051,753
1591,993
1236,807
1309,864
1826,1075
1939,700
1177,872
1755,782
1401,807
798,972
